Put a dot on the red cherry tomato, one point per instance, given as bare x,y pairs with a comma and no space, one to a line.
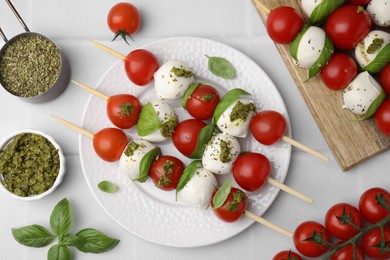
124,19
166,172
185,135
382,117
202,102
384,77
233,207
251,171
370,209
123,110
268,126
336,227
347,26
370,242
109,143
347,253
283,24
358,2
339,71
305,231
287,255
140,65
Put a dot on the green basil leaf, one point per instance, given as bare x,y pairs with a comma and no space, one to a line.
33,236
374,105
204,136
148,121
323,10
295,43
145,164
107,186
222,194
188,93
61,218
226,101
95,241
188,172
58,252
325,55
380,61
221,67
72,241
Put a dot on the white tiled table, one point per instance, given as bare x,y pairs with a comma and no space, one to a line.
70,24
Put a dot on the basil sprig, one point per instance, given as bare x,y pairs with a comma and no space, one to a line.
188,172
148,121
295,43
380,61
145,164
87,240
226,101
222,194
221,67
188,93
107,186
323,10
203,138
325,55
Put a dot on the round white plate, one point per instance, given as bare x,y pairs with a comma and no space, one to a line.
153,214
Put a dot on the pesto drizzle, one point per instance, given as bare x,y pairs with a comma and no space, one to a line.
167,127
241,111
125,109
225,155
238,197
167,168
375,45
182,72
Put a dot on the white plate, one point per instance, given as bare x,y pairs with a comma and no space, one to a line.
153,214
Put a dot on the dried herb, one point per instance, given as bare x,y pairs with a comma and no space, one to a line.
29,66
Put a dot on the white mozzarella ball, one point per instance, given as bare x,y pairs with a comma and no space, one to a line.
310,46
362,56
308,6
379,11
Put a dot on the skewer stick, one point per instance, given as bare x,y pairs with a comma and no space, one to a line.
74,127
267,223
289,190
91,90
262,6
305,148
109,50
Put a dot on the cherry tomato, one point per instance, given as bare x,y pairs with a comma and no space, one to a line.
339,229
123,110
369,208
382,117
347,253
384,78
109,143
305,231
202,102
233,207
185,135
268,126
370,242
166,172
339,71
283,24
140,66
347,26
287,255
251,171
124,19
358,2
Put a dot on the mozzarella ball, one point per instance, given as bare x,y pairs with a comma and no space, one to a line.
363,51
308,6
379,11
172,79
310,47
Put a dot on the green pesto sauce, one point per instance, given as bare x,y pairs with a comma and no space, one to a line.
130,149
165,180
375,45
29,165
238,197
225,155
125,109
167,127
207,97
241,111
181,72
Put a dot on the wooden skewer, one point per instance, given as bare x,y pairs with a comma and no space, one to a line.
109,50
305,148
91,90
267,223
74,127
262,6
289,190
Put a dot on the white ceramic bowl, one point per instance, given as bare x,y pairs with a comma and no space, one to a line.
61,172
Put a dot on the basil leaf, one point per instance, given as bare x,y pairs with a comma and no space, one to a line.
380,61
61,218
145,164
226,101
222,194
188,93
325,55
204,136
295,43
323,10
107,186
221,67
33,236
58,252
148,121
95,241
188,172
72,241
374,105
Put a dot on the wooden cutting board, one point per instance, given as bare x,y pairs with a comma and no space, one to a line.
351,142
